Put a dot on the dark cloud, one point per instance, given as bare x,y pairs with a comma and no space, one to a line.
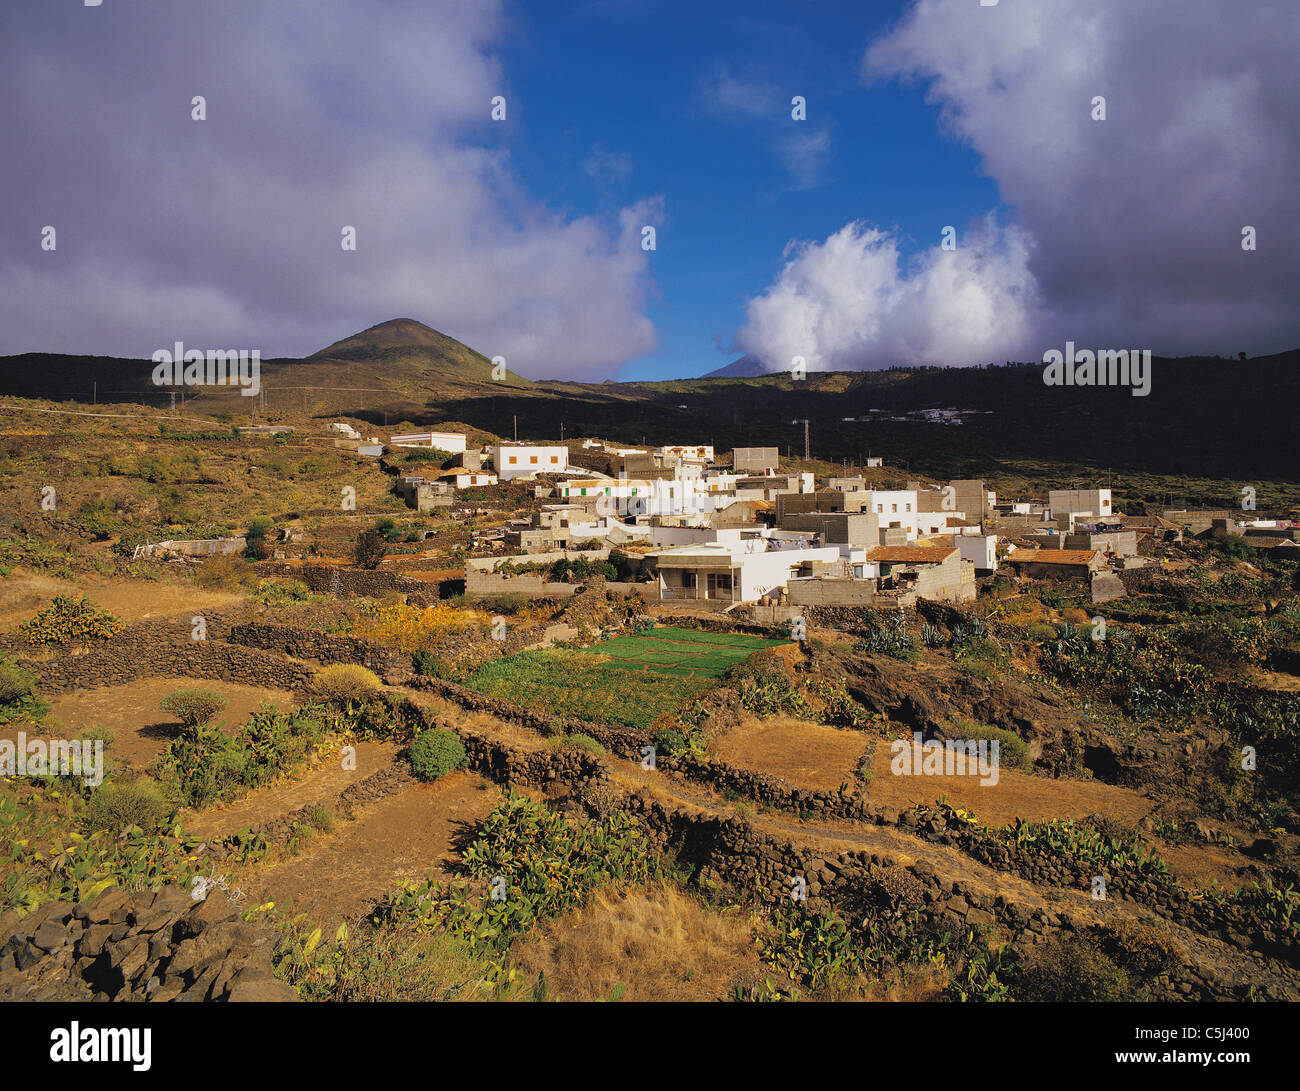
227,231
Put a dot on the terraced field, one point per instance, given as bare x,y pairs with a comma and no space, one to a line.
627,680
668,649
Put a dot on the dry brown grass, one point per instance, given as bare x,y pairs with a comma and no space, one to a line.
660,944
910,985
482,723
1015,795
798,751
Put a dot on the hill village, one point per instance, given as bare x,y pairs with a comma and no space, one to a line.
697,529
735,699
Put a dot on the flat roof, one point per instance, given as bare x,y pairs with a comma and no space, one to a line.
910,554
1052,556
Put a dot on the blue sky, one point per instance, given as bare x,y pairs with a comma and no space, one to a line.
816,240
637,84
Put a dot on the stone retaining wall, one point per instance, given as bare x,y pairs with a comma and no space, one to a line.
303,643
163,945
123,659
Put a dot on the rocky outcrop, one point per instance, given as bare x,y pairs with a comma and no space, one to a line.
153,945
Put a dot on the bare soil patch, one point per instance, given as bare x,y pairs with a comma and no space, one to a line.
803,753
140,728
1015,795
24,593
340,876
811,755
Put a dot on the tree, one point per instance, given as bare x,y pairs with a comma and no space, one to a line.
194,708
255,538
370,549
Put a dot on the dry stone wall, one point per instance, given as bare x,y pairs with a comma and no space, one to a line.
163,945
123,659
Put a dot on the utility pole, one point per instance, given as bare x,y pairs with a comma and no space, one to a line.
806,447
516,427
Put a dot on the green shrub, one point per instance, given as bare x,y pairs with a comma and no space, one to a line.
193,707
1013,751
426,663
583,742
670,741
16,684
255,537
1234,546
322,819
280,592
115,806
206,765
67,618
223,572
1072,970
371,548
435,753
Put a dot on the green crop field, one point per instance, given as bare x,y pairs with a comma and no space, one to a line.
628,680
675,649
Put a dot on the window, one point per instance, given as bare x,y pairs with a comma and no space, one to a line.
907,507
512,460
893,508
688,579
533,461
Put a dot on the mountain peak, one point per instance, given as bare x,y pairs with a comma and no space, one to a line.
396,333
745,367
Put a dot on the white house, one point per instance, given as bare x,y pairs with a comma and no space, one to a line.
735,570
980,549
701,453
1065,502
451,442
627,496
467,479
897,508
518,460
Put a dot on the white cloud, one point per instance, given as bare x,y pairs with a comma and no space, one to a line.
1129,229
227,231
849,303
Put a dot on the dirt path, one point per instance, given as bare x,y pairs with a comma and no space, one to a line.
321,785
1227,963
341,876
